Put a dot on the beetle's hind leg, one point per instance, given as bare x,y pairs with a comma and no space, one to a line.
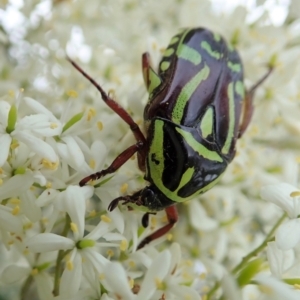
248,103
139,147
172,216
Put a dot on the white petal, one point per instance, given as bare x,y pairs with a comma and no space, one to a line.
230,288
288,234
75,155
199,218
39,108
46,197
29,206
45,242
98,231
16,185
5,141
44,284
10,222
14,273
37,145
39,124
75,206
4,110
99,153
276,289
186,292
278,259
117,281
72,277
279,194
158,270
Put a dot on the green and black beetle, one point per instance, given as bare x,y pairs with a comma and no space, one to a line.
197,109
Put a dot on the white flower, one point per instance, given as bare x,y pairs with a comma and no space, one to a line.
274,289
287,197
280,261
30,130
83,249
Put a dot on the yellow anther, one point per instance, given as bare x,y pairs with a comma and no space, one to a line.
105,218
49,185
131,283
91,114
1,181
100,125
295,194
153,222
92,163
110,253
124,188
1,171
92,213
49,164
160,284
70,265
53,125
101,276
14,145
72,93
123,245
16,210
15,201
11,93
74,227
131,264
169,237
34,272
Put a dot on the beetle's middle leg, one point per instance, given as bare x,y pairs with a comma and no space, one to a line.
248,103
125,116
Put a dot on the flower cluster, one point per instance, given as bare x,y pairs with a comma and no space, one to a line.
59,240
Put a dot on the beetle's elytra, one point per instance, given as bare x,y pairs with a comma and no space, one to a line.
197,109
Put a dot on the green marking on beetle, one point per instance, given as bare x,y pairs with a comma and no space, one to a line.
206,124
231,117
156,153
199,148
174,40
186,177
216,36
240,89
186,93
168,52
154,79
188,53
234,67
165,65
206,46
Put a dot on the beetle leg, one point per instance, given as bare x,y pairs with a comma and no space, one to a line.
145,218
119,161
172,216
248,103
118,110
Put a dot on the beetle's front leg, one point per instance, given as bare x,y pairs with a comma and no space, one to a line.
115,165
248,103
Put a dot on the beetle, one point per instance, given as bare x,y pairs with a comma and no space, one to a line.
198,108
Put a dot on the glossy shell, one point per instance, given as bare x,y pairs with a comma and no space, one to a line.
193,114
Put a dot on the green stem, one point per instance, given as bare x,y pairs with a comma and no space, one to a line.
60,256
253,253
25,287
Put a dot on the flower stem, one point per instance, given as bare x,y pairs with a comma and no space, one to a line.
252,254
61,254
